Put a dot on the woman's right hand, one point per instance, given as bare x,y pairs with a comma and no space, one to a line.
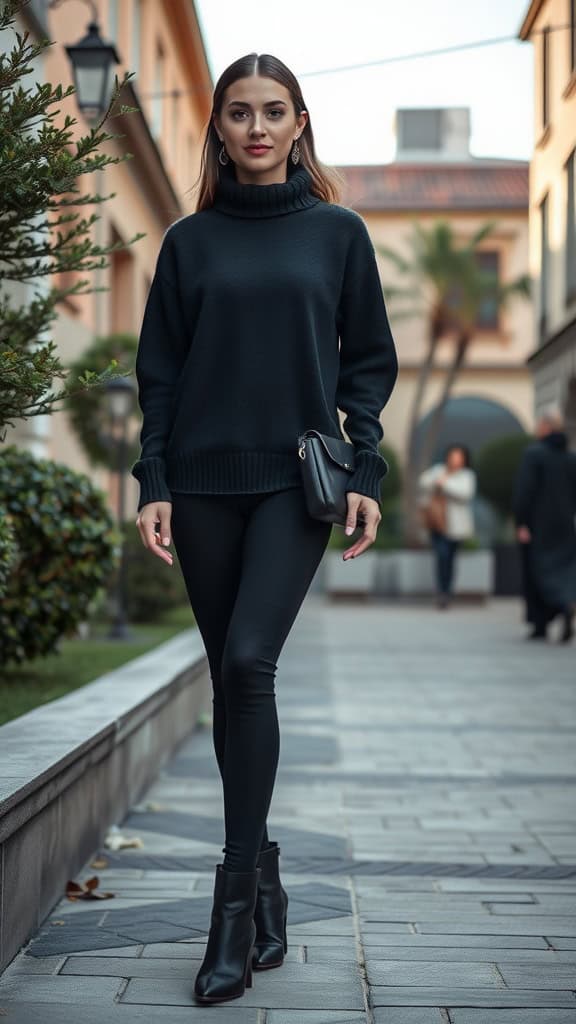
151,514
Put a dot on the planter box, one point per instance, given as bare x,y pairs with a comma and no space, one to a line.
71,768
406,574
355,577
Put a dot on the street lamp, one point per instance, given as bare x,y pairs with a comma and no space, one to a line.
92,63
120,399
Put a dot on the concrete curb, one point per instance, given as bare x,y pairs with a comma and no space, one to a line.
73,767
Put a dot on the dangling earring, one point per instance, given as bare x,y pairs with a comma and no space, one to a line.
223,157
295,154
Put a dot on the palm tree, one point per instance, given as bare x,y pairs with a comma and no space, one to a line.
446,286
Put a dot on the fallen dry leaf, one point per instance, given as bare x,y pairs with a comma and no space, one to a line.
87,890
99,862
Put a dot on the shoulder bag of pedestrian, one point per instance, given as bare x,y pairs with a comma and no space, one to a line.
434,511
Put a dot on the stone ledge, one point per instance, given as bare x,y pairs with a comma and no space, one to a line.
71,768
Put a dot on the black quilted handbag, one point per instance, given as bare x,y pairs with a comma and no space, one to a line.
327,463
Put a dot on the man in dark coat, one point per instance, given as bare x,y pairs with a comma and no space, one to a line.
545,514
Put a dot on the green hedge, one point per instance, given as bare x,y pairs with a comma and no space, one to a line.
7,548
152,586
392,483
65,552
86,408
497,465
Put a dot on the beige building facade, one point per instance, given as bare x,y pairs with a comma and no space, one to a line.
159,40
550,25
435,179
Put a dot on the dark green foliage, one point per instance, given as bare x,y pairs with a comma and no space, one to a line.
392,484
497,465
43,162
152,586
65,553
7,548
87,408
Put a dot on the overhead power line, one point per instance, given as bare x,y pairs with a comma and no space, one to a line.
415,55
422,54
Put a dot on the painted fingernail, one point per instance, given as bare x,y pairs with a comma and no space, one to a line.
349,530
166,541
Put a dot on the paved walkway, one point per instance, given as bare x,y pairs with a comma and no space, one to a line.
425,814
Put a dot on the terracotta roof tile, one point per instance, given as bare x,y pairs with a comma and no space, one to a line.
475,186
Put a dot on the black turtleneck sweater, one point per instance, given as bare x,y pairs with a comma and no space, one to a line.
265,316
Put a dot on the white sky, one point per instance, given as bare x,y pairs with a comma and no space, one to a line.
352,111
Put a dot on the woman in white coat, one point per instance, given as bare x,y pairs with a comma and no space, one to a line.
454,483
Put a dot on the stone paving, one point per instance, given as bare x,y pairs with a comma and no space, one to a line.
424,806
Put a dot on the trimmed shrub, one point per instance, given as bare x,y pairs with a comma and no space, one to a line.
496,465
392,483
65,552
152,587
87,408
7,548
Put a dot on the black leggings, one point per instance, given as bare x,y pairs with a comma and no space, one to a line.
247,561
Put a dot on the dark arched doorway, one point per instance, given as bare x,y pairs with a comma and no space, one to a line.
470,420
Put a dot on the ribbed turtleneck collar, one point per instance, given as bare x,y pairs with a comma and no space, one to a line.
240,200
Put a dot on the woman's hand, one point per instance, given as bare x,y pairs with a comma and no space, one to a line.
150,514
365,511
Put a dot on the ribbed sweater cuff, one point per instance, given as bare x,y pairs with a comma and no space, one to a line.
367,477
151,474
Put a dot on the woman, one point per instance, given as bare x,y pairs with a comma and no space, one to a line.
454,483
238,355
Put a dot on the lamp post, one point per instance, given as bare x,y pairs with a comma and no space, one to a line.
120,394
92,63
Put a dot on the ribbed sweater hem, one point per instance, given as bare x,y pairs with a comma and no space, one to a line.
216,472
241,472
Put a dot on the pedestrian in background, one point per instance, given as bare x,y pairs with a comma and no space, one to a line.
447,491
545,515
265,317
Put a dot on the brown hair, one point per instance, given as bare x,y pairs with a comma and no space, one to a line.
326,182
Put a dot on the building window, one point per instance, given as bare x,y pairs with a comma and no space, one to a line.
136,35
571,228
488,313
545,77
157,90
544,267
573,36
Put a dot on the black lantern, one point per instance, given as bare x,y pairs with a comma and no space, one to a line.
93,63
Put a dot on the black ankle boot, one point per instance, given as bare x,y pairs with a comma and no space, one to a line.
270,913
226,970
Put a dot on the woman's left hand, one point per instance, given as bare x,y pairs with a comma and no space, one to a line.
361,507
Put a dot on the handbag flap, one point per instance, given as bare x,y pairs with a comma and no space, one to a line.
341,452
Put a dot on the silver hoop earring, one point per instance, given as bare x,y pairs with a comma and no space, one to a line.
295,154
223,157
